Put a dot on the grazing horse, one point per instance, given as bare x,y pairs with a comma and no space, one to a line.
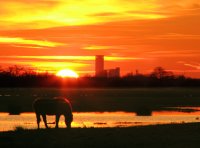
57,107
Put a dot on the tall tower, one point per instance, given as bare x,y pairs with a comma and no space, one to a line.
99,66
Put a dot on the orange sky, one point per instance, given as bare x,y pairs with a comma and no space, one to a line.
58,34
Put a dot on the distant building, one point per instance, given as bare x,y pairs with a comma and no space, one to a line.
114,72
101,72
99,66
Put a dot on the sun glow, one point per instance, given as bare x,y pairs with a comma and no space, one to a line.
67,73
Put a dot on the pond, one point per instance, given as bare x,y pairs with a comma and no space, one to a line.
99,120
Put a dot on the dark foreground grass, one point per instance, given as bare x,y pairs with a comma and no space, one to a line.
162,136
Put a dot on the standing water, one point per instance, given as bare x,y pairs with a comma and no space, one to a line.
14,100
98,120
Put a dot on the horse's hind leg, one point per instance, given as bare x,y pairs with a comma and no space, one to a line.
45,120
38,120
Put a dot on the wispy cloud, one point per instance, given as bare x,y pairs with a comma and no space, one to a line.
193,66
176,36
172,53
16,41
78,58
26,46
96,47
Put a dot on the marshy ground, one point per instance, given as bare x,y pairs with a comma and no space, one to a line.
90,100
162,136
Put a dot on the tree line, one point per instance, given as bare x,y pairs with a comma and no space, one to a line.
17,76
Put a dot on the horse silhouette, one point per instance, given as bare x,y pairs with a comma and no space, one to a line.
57,107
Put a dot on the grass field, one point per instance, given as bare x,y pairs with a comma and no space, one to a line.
87,99
158,136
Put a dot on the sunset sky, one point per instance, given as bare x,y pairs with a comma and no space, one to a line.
132,34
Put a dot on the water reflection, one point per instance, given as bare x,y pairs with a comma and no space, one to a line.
98,120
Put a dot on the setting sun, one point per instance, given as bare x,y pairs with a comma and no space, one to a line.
67,73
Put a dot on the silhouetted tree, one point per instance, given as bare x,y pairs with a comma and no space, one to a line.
17,76
160,73
16,70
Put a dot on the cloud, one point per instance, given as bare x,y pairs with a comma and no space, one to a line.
15,14
16,41
176,36
96,47
47,14
196,66
63,58
105,14
25,46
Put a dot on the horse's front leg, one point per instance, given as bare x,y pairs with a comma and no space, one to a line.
57,120
45,120
68,124
68,120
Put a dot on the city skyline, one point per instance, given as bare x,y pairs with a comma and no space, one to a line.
134,35
100,71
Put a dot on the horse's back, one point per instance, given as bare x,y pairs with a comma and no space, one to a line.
52,106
